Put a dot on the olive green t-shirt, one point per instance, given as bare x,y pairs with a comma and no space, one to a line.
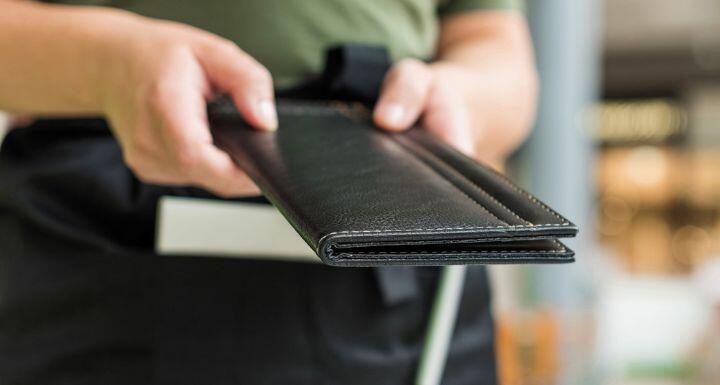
290,37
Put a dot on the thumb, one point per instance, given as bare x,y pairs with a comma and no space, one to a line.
403,95
447,119
232,71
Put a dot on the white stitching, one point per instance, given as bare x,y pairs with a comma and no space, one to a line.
473,183
531,226
448,228
560,249
452,184
496,201
468,228
507,182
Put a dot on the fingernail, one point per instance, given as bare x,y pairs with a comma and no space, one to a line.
268,115
394,114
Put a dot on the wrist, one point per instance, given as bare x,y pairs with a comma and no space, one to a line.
109,49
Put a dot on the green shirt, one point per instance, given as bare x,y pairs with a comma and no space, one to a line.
289,37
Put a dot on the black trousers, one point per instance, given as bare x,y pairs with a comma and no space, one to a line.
84,300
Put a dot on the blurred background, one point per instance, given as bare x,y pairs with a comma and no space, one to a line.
627,144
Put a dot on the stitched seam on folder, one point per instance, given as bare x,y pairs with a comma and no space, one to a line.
467,228
560,249
425,162
543,206
448,228
558,244
473,183
504,179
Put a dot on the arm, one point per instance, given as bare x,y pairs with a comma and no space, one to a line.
151,80
479,95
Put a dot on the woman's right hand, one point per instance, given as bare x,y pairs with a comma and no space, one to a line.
157,79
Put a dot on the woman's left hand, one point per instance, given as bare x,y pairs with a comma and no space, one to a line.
479,96
430,93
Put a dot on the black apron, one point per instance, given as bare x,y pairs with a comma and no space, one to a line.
85,300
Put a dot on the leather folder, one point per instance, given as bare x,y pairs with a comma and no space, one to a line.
362,197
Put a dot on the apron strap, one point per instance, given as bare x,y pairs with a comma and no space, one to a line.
353,72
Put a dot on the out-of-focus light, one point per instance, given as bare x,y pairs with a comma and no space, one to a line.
646,166
616,209
690,244
616,216
649,121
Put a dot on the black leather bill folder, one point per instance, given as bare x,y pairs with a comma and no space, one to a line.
362,197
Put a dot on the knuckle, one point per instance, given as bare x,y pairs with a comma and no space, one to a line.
229,46
161,93
406,80
259,74
411,65
187,161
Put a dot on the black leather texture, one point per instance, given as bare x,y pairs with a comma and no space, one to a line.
362,197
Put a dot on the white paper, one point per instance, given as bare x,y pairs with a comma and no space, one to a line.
203,227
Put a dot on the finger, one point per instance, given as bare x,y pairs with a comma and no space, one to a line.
151,170
189,146
403,96
218,173
232,71
207,166
447,119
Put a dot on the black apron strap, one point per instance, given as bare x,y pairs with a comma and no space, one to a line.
353,72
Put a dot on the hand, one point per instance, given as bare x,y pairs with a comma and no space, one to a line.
158,83
433,93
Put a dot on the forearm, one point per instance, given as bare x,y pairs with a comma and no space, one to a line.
491,62
53,59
